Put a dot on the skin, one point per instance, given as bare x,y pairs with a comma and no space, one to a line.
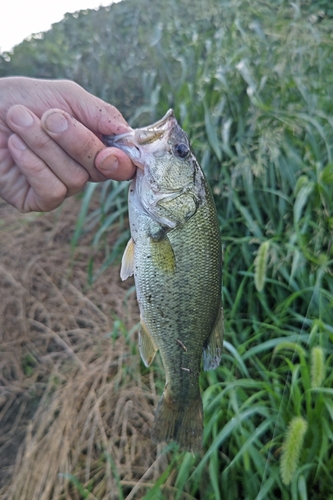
50,142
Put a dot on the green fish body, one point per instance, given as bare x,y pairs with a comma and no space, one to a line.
175,256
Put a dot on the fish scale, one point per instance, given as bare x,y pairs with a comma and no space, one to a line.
175,256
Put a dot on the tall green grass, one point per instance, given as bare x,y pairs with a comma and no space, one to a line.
251,83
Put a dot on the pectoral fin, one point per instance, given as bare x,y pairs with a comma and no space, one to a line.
213,351
147,346
163,255
127,262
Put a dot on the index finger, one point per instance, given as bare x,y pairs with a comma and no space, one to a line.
83,145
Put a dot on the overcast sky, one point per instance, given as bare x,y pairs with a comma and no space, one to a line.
21,18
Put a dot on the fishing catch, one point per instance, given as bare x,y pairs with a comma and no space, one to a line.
175,256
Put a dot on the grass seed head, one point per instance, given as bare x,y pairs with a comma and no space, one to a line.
260,266
292,448
317,367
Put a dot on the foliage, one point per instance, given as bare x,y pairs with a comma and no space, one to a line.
251,82
102,49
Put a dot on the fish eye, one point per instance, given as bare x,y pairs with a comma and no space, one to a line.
181,150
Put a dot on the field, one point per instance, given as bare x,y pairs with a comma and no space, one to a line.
251,83
73,402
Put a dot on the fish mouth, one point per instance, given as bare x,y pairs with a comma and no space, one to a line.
137,143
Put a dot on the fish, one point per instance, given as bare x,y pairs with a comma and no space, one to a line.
175,256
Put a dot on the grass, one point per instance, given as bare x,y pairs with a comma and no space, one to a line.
75,414
256,105
251,83
110,213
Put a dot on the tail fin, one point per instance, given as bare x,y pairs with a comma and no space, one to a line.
180,424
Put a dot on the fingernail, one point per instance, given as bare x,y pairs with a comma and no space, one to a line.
17,142
56,123
21,117
109,165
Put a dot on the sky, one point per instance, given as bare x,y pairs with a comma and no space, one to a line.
21,18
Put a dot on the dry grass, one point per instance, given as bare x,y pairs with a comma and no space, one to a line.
72,400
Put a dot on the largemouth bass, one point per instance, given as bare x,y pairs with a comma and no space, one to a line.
175,256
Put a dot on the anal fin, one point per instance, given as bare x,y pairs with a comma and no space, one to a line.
212,353
147,346
127,262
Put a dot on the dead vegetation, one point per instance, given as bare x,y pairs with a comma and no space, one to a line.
75,412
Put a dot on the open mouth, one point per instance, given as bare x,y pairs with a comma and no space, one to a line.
142,141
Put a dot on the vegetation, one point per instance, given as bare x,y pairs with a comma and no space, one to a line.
251,82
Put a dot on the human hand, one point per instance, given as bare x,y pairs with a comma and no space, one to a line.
50,142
